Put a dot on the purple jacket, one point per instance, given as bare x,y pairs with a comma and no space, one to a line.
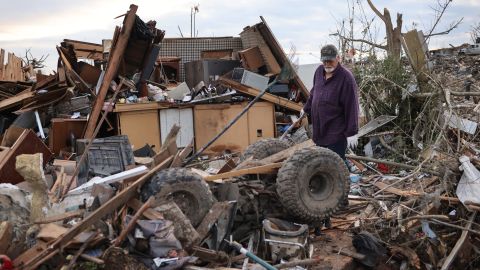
333,106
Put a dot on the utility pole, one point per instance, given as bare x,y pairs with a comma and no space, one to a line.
193,11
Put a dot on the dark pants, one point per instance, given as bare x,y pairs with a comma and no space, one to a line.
340,147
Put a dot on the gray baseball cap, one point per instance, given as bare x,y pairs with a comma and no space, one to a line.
328,52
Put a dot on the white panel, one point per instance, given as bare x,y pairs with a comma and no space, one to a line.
186,122
181,117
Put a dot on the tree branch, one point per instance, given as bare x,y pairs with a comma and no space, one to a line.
439,15
383,47
380,15
452,26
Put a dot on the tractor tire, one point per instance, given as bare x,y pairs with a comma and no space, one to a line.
186,188
265,148
313,183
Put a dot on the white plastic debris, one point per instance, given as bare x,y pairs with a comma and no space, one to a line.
468,188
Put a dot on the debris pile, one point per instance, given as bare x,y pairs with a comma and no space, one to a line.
146,152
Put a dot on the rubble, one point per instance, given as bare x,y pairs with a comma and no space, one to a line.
194,156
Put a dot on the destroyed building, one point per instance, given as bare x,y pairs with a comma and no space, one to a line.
147,152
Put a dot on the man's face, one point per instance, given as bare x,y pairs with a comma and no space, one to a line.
330,65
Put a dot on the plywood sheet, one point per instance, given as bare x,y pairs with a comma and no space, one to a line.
211,119
141,127
260,122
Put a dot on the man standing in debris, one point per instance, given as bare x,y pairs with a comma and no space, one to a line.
333,107
333,104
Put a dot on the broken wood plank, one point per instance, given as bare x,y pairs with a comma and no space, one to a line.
112,67
284,154
17,99
149,213
411,193
81,250
60,217
264,169
120,199
213,215
282,102
133,222
168,151
27,143
6,234
180,157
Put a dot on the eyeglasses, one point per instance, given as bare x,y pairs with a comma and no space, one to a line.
329,61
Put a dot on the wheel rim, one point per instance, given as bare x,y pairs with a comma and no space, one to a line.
320,186
186,202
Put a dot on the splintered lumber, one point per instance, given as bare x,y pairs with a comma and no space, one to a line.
17,99
6,234
282,102
81,250
284,154
119,200
60,217
112,67
170,150
264,169
149,213
181,155
123,234
411,193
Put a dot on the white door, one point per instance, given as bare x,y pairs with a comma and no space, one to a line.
181,117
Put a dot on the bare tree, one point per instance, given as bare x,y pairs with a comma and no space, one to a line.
36,63
393,33
475,32
439,10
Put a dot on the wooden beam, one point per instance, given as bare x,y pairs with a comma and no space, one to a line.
112,68
17,99
411,193
2,66
133,221
264,169
60,217
181,155
284,154
120,199
150,213
283,102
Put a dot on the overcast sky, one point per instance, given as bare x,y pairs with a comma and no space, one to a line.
41,25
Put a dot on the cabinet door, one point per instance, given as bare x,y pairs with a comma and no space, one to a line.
261,122
211,119
180,117
141,127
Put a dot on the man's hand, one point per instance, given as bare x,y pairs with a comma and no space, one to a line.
352,141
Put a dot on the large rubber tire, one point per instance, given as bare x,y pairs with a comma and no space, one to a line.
313,183
186,188
265,148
